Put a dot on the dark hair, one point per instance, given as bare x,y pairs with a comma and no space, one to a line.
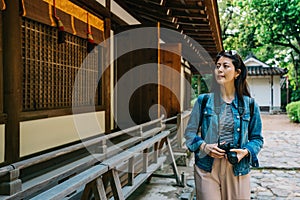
240,83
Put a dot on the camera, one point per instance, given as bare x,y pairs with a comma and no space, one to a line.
231,156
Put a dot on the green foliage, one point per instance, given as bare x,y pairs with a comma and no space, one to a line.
195,85
295,95
293,110
269,29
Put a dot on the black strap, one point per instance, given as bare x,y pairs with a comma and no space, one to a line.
251,106
203,104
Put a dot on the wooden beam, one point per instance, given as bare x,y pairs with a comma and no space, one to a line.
186,14
140,5
212,11
201,35
162,23
116,185
12,70
178,5
1,68
198,21
157,16
204,26
195,30
106,87
193,23
94,7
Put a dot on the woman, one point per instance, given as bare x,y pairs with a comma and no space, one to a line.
228,131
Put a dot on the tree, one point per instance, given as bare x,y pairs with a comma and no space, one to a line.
279,24
268,28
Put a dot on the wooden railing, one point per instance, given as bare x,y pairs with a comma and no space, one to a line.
182,121
74,172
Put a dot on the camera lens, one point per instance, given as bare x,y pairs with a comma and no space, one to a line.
232,157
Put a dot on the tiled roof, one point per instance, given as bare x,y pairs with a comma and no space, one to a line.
265,71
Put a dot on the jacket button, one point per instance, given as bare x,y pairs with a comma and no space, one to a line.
238,116
238,129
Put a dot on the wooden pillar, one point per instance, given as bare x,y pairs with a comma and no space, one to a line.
272,95
107,92
12,70
1,68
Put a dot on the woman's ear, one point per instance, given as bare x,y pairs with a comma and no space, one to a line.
238,72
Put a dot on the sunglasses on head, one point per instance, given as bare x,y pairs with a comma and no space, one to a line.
231,52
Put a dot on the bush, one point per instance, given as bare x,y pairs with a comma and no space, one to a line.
293,110
295,96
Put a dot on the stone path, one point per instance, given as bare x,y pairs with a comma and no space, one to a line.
277,178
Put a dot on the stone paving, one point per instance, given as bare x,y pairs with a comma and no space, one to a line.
278,176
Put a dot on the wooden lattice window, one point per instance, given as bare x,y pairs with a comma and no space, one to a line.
50,69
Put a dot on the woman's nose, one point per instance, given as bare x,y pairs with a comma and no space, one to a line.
220,69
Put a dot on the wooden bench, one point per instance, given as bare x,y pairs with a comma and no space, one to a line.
17,182
93,175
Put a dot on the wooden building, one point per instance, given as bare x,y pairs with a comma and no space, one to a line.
50,47
44,42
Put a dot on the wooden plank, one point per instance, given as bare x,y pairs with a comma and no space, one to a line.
51,155
125,155
87,190
151,132
67,187
139,179
173,162
54,154
156,151
145,160
116,185
131,171
116,148
52,178
100,194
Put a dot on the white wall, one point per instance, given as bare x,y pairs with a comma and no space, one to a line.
276,92
42,134
260,90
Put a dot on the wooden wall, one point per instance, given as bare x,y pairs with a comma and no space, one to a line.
170,91
166,91
144,96
38,73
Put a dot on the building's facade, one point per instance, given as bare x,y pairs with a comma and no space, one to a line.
78,70
43,44
264,83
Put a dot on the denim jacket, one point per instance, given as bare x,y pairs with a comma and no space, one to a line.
250,131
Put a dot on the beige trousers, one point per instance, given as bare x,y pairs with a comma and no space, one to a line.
221,184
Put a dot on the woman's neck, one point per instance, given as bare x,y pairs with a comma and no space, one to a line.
227,94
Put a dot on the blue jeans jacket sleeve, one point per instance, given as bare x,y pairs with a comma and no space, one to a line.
193,140
255,137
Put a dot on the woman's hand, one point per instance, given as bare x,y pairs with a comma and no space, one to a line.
213,150
241,153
